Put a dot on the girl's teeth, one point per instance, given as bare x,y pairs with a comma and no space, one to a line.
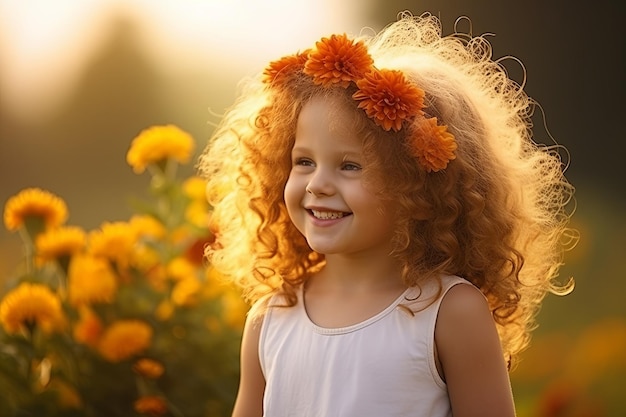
326,215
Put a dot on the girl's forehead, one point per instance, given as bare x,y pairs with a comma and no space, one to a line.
327,114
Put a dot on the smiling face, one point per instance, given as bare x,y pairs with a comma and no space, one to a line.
326,196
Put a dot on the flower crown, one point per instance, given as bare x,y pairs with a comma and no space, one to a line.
386,96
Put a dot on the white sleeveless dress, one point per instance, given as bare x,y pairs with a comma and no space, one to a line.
381,367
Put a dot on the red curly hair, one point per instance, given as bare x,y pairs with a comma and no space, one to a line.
496,215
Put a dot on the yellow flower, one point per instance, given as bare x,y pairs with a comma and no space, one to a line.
185,292
180,268
148,368
89,327
197,213
148,262
31,305
60,242
124,339
195,188
90,280
181,235
114,241
164,310
158,143
151,405
147,226
34,203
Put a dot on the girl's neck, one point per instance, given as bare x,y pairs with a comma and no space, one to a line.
345,273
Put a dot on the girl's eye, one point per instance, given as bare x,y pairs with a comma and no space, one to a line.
303,162
350,166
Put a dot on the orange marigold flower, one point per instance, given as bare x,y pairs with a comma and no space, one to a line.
181,268
197,214
34,203
157,144
90,280
124,339
115,241
88,328
389,98
152,405
338,60
147,261
31,305
164,310
432,145
60,242
148,368
194,187
147,226
186,292
285,67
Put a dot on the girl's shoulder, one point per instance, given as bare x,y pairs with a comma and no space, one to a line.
264,304
432,292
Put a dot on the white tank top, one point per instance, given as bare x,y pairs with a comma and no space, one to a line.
381,367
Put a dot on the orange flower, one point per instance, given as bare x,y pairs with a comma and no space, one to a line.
34,203
30,305
151,405
186,291
60,242
89,327
90,280
148,368
114,241
157,144
285,67
125,338
338,61
181,268
388,98
147,226
432,145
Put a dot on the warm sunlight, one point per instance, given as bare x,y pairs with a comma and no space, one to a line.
44,45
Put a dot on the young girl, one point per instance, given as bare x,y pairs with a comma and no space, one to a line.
381,202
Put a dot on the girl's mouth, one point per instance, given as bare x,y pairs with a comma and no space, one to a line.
328,215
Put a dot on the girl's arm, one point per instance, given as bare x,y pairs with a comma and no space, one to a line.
249,402
471,358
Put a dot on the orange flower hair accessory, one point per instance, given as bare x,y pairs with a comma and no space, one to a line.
388,98
432,145
284,67
338,61
386,95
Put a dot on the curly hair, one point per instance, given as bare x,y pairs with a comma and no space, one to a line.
496,216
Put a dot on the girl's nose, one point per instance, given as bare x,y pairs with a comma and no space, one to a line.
320,183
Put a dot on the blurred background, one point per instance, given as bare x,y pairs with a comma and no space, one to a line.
80,79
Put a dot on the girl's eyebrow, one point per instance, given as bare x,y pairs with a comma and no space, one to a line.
350,155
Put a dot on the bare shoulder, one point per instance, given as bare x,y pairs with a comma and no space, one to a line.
464,322
463,303
470,355
249,400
